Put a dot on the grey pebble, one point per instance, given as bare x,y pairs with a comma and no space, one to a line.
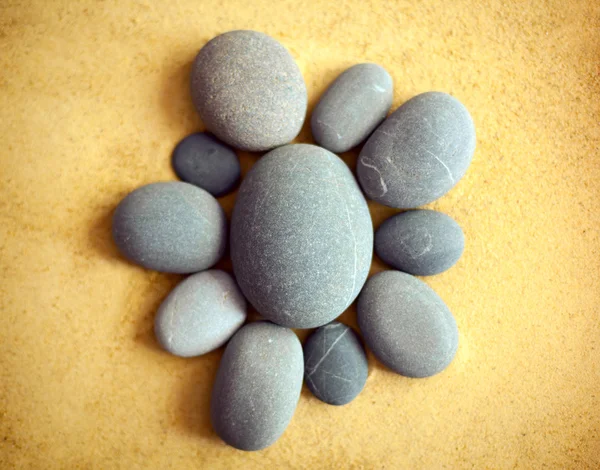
200,314
406,324
204,161
258,386
249,91
335,364
301,236
420,242
418,153
352,107
171,227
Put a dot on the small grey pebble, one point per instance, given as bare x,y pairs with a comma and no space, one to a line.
406,324
258,386
418,153
352,107
420,242
335,364
171,227
200,159
249,91
200,314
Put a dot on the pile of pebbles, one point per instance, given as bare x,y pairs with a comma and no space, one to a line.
301,236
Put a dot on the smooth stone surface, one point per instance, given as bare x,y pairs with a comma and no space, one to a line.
335,364
420,242
352,107
258,386
204,161
249,91
200,314
418,153
301,236
406,324
171,227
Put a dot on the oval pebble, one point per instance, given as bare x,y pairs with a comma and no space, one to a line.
204,161
352,107
420,242
406,324
200,314
171,227
249,91
258,386
335,364
418,153
301,236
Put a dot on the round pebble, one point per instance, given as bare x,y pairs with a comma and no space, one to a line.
418,153
200,159
171,227
200,314
420,242
352,107
249,91
258,386
406,324
301,236
335,364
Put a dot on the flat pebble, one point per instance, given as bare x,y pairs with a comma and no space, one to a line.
200,314
335,364
204,161
418,153
301,236
352,107
258,386
170,227
249,91
420,242
406,324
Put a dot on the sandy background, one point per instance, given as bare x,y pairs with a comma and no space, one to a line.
93,98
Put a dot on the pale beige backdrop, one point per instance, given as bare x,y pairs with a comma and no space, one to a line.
93,97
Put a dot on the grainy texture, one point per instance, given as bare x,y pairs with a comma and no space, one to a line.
301,236
93,97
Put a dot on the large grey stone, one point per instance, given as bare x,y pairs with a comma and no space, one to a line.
352,107
406,324
200,314
301,236
249,91
258,386
171,227
418,153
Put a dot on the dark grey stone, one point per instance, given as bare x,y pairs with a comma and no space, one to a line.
406,324
352,107
258,386
200,314
418,153
172,227
335,364
301,236
420,242
249,91
202,160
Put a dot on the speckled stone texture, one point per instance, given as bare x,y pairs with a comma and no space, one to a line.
335,364
352,107
204,161
258,386
249,91
170,227
301,236
420,242
406,324
200,314
418,153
